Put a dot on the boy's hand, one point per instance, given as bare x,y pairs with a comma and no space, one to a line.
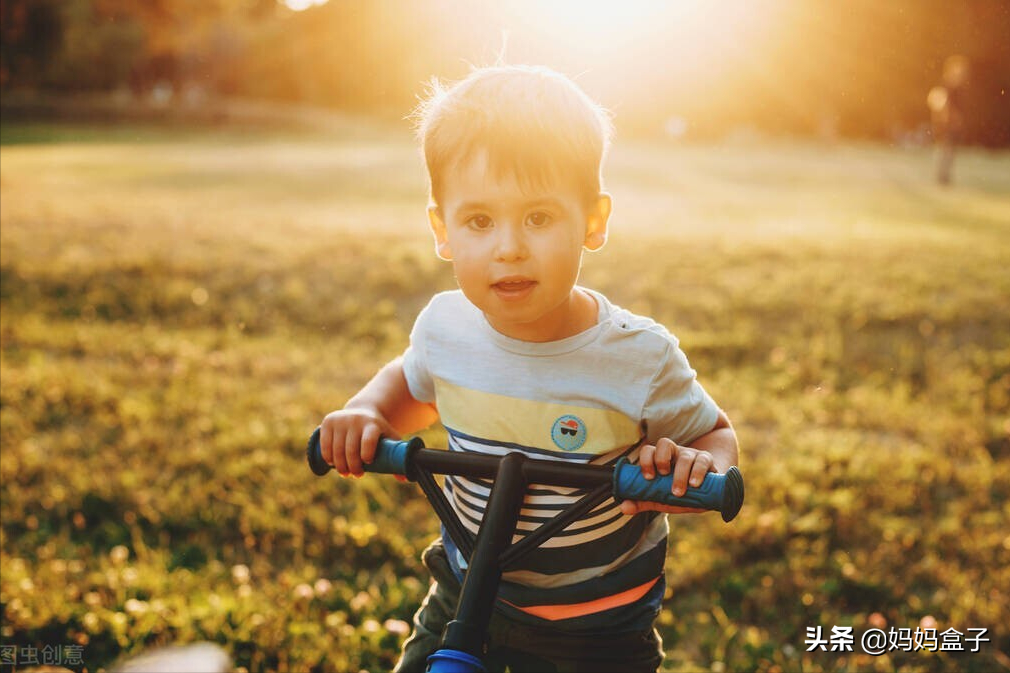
689,466
348,437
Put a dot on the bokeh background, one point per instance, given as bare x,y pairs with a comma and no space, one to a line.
212,233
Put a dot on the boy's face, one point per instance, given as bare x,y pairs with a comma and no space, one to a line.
517,254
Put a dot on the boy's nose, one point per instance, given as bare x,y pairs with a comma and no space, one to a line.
510,244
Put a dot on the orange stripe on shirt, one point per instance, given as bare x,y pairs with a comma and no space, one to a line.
556,612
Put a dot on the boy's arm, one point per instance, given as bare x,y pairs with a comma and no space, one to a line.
383,407
715,451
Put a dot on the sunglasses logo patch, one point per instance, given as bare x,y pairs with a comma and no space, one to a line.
569,432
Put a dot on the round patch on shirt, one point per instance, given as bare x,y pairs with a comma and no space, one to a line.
569,432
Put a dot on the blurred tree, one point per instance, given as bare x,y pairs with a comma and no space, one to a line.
104,44
186,42
98,51
31,33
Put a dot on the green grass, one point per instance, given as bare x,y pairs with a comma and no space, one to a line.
180,308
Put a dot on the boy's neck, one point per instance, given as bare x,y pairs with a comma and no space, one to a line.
576,314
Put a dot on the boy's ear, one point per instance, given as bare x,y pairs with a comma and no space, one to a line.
438,230
596,222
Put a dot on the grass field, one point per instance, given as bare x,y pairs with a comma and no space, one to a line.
181,307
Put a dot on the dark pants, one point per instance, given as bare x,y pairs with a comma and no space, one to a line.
522,648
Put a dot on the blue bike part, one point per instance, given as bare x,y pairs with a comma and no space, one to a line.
390,455
722,492
454,661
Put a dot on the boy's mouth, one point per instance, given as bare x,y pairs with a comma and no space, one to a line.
513,288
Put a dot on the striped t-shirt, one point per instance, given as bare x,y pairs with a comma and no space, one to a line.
591,398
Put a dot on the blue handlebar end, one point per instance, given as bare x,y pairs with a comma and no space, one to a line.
391,456
722,492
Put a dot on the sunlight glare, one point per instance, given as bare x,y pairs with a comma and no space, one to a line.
575,20
692,37
302,5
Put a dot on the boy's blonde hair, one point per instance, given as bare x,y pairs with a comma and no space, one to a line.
534,123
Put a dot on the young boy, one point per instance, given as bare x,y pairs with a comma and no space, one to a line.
522,358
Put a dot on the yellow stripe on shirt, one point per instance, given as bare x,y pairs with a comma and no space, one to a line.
502,419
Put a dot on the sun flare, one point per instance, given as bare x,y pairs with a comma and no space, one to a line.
688,30
572,21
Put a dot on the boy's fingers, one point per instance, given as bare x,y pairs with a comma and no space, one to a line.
646,461
682,470
629,507
702,465
325,449
666,450
337,453
352,450
369,440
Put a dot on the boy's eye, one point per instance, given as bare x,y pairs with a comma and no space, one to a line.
538,219
479,222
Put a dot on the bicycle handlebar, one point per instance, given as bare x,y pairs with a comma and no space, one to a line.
720,492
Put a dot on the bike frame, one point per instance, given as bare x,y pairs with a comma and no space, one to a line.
492,552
